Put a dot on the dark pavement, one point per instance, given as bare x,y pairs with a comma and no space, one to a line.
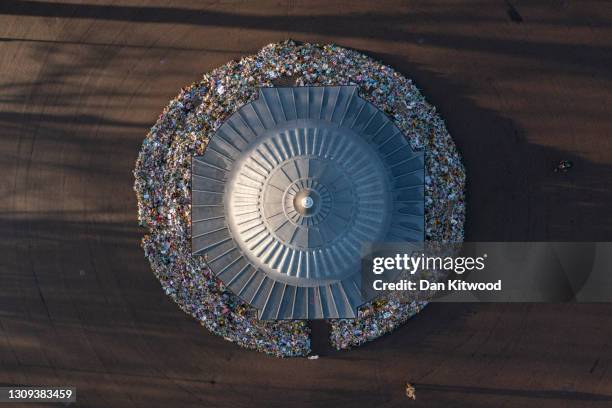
521,84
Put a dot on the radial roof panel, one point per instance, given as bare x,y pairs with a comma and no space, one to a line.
291,187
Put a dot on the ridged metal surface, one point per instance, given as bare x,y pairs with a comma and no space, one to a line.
290,188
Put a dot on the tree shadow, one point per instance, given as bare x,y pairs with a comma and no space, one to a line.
79,304
512,192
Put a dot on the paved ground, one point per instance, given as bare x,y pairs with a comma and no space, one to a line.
521,86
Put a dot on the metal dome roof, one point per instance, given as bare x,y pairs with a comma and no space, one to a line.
291,187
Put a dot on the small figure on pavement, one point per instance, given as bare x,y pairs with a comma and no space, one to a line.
563,166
